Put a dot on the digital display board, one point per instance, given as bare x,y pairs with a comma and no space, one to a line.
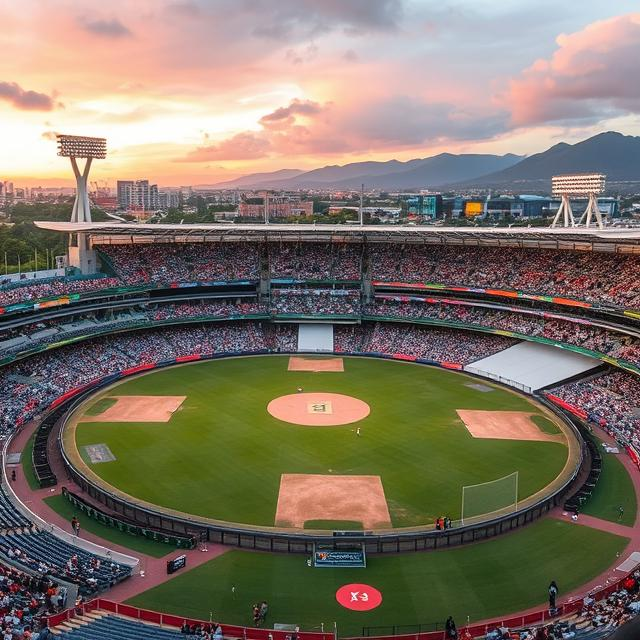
473,208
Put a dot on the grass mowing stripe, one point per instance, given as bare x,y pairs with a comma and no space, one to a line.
614,489
27,463
138,544
484,580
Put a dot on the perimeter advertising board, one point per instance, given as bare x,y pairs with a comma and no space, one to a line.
354,557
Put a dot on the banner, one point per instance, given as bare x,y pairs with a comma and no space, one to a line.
344,558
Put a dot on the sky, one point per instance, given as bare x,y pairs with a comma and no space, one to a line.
201,91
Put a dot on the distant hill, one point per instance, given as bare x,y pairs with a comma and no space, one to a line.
616,155
256,178
419,173
611,153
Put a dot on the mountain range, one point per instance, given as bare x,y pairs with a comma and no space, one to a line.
611,153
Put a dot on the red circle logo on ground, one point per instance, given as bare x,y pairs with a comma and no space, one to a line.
358,597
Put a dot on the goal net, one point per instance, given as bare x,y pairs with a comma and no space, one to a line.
494,498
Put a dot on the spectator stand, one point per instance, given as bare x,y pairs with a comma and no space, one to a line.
42,525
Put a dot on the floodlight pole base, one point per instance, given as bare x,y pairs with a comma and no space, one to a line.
592,211
564,213
81,255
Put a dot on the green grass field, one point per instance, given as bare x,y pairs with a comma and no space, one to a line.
488,579
614,489
221,455
137,544
27,464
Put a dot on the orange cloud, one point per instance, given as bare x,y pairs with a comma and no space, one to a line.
592,74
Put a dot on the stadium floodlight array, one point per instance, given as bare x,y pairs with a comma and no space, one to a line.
73,147
579,185
81,147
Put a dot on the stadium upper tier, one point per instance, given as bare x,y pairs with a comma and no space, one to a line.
589,278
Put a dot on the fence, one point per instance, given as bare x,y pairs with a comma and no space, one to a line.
166,619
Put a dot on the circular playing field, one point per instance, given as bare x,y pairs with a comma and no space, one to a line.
347,443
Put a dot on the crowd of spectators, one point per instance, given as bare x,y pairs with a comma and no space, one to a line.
24,599
596,619
429,343
28,290
41,332
598,278
330,302
223,308
32,384
611,400
592,337
138,264
315,261
342,302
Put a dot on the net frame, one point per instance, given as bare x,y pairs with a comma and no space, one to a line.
501,510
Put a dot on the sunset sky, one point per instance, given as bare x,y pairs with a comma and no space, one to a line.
199,91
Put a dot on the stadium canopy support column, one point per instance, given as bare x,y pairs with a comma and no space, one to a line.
564,211
591,211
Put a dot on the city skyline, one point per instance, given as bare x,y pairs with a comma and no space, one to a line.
195,92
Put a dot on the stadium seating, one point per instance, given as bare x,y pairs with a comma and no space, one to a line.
43,552
601,279
114,628
10,517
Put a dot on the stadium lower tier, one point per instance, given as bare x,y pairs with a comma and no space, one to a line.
615,344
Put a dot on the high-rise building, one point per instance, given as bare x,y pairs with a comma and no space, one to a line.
137,195
124,190
168,199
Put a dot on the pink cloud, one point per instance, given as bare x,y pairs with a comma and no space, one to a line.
242,146
591,75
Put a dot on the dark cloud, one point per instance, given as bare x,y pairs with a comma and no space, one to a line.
25,100
404,120
286,18
296,107
106,28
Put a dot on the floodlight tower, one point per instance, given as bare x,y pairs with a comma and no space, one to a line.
587,185
80,254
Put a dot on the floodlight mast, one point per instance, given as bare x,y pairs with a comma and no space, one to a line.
73,147
587,185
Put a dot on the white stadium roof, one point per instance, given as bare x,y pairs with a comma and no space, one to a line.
526,236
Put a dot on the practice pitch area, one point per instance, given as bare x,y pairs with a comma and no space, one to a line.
283,442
